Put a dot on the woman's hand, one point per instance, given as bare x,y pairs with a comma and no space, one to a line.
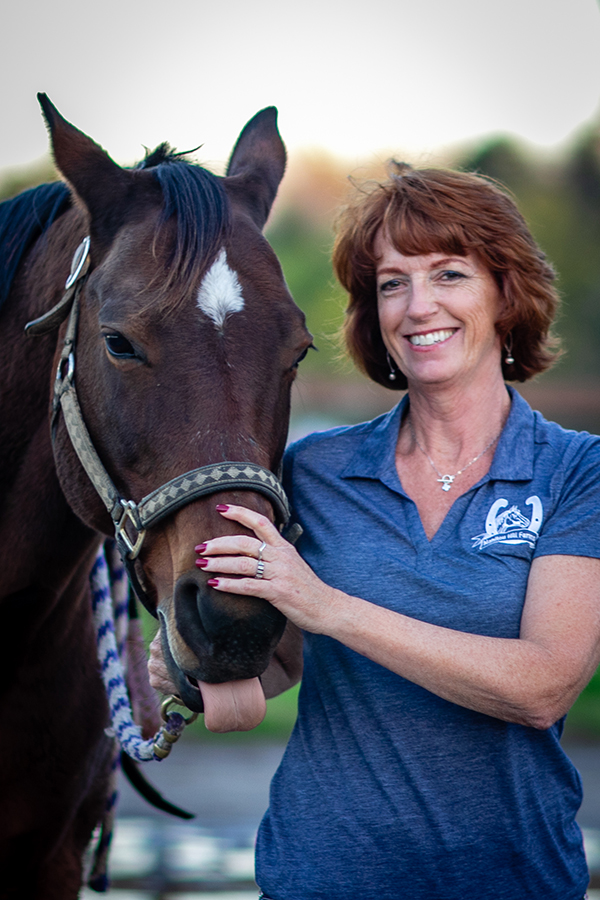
287,582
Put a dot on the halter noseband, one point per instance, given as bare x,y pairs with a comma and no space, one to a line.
130,519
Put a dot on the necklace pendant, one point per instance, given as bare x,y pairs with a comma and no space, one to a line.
446,481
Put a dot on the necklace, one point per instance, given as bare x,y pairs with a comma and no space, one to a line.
447,480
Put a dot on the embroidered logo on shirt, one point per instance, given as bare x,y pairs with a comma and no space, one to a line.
511,526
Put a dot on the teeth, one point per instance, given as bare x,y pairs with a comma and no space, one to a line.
433,337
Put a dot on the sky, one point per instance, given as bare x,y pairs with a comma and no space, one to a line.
351,77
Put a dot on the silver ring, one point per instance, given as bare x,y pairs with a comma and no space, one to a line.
260,569
261,550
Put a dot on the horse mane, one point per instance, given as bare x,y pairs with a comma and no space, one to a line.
23,220
192,196
196,200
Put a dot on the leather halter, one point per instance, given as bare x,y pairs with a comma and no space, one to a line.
130,519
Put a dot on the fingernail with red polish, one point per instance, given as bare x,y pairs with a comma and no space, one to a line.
221,507
213,582
202,563
200,548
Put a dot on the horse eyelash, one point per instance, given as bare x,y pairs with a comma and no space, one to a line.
303,355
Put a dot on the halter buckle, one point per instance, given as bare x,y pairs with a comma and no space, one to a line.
63,381
68,378
129,516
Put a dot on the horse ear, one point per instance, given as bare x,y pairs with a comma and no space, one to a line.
257,164
96,179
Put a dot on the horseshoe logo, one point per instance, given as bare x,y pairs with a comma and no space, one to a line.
511,526
490,523
537,512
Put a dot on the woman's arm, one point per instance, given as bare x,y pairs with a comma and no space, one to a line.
532,680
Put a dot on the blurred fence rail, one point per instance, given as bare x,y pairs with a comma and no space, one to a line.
335,400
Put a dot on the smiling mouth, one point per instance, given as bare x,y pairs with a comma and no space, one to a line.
432,337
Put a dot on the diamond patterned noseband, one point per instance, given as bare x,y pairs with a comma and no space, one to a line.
131,520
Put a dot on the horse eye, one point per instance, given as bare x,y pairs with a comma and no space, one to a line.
118,346
303,355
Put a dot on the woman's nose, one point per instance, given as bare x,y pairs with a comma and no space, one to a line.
422,300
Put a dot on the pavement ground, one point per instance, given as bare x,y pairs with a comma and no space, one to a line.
226,786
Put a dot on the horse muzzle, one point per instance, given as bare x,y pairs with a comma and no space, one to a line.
212,637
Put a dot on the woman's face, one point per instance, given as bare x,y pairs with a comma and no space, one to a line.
437,315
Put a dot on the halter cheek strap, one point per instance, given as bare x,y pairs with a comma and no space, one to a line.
130,519
56,316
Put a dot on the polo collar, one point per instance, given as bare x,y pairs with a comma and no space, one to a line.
375,457
514,456
513,459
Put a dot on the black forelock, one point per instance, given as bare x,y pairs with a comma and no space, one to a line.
196,200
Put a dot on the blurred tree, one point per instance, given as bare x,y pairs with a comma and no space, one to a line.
561,203
13,181
499,159
305,255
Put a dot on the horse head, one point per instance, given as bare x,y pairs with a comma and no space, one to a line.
187,346
511,518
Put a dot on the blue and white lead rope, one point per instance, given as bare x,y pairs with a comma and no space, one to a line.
110,606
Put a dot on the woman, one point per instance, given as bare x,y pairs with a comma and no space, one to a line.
447,580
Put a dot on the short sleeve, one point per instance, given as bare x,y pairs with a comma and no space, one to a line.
573,527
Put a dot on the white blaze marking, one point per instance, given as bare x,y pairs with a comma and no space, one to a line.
220,292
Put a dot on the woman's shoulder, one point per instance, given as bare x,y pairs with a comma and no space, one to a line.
568,463
567,446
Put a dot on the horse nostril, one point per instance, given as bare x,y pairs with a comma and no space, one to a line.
230,635
187,597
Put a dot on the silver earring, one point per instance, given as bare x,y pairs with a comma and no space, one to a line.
392,375
509,358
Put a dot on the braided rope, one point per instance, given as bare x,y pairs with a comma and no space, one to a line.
119,588
128,734
110,607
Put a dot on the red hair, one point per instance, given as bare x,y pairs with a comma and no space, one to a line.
444,211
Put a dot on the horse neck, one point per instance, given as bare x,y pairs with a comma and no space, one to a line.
32,522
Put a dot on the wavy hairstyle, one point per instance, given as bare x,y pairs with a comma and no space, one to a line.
444,211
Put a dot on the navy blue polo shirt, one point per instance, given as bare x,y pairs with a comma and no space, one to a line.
387,791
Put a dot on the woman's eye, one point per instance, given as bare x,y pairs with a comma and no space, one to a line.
118,346
452,275
391,285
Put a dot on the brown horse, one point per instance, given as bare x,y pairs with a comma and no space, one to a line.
182,345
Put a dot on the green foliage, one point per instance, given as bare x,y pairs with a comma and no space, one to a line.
304,251
13,181
561,204
584,718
